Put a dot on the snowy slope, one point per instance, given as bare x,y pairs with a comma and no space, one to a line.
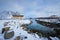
15,25
5,15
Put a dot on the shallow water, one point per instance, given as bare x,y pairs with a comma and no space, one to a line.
37,26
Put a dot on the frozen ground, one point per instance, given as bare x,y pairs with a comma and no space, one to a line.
15,25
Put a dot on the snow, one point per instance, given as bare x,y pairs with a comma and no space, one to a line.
5,15
15,25
55,38
50,20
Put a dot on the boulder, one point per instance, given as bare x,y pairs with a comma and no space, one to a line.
8,35
6,23
57,32
25,37
17,38
5,29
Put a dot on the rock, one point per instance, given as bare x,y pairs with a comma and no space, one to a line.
8,35
24,25
49,38
5,29
57,32
25,37
5,24
17,38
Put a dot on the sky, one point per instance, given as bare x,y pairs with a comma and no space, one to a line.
32,8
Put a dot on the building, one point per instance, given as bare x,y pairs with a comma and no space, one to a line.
17,16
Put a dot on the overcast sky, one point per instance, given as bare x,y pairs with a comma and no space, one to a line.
32,8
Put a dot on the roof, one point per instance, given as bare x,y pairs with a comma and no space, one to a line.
18,15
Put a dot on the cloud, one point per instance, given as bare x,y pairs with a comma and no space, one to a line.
15,7
11,5
34,8
46,11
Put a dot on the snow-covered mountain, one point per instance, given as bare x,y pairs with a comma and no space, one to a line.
5,15
8,14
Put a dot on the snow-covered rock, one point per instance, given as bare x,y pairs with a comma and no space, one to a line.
19,33
8,35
